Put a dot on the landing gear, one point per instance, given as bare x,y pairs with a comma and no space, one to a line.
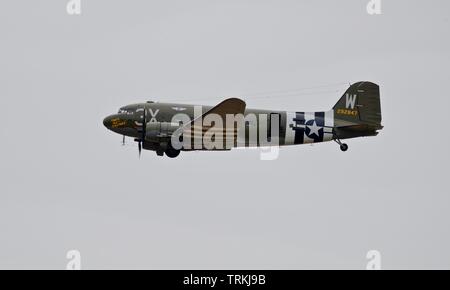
343,146
172,153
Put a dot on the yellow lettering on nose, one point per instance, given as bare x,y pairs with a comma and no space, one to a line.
115,123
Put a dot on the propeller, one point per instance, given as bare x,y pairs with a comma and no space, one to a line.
144,127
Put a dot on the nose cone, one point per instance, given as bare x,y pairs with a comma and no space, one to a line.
107,122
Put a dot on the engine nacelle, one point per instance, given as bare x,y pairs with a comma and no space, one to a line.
156,130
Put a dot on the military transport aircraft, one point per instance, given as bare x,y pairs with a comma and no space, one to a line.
169,128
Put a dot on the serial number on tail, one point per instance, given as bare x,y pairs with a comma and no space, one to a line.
347,112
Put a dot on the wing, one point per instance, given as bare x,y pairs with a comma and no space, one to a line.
232,106
196,128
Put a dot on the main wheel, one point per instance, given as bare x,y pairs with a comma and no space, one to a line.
344,147
172,153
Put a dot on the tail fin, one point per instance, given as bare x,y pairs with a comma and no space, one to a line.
360,104
359,109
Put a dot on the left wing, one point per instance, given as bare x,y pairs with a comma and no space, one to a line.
196,129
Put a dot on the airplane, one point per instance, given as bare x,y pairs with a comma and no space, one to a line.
160,126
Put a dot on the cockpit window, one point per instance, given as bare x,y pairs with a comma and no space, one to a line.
126,111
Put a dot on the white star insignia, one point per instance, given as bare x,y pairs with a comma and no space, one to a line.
314,129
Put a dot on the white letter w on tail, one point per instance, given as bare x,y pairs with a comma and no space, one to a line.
350,101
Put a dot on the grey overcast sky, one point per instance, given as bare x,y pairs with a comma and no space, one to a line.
67,183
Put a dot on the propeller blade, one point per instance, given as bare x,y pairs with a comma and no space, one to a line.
142,132
144,124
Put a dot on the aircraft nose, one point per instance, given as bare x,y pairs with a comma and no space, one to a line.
107,122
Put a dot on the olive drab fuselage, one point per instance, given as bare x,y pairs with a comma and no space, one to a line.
357,113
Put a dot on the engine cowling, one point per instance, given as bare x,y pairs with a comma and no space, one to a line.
157,130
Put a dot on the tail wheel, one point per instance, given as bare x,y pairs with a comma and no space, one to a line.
343,146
